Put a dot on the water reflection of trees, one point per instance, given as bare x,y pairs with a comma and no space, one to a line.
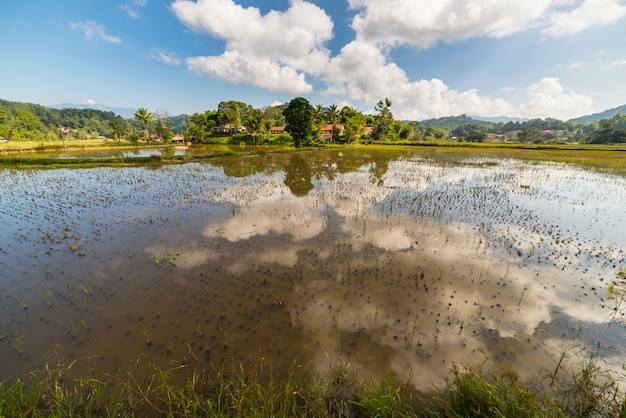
298,175
302,167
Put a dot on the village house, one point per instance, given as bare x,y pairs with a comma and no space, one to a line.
229,129
327,131
277,129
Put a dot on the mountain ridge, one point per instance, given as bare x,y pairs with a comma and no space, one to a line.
124,112
609,113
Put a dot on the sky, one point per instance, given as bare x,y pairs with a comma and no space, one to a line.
431,58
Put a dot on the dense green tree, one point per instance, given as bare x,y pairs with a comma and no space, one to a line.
384,122
142,115
27,120
232,113
476,135
299,119
433,133
200,126
4,131
253,122
608,135
272,116
163,129
117,129
408,131
529,134
353,122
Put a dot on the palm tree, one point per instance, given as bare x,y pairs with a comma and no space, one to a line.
319,119
332,116
143,115
319,114
117,129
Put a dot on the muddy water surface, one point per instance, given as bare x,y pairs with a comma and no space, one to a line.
392,260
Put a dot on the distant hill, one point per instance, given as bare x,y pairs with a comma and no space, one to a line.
124,112
450,122
602,115
500,119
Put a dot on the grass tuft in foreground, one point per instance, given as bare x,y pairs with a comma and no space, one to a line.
253,390
588,391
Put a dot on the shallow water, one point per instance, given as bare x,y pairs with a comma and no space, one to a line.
397,260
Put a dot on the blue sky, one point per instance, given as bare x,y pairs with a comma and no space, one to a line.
432,58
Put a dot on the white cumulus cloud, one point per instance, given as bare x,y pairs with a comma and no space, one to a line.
547,98
347,76
262,49
422,23
263,73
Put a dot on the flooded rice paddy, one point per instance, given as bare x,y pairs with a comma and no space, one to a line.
398,260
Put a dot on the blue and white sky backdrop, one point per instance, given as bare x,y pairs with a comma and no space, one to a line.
432,58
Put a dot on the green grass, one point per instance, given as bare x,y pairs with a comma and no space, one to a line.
587,391
254,390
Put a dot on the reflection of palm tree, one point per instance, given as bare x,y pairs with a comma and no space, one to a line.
144,116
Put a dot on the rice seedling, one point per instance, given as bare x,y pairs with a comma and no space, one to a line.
144,332
199,330
13,340
169,256
224,337
71,330
46,269
47,298
22,302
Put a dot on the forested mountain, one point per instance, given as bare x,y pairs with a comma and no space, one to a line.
124,112
452,122
32,121
602,115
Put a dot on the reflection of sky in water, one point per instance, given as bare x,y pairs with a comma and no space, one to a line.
510,242
430,263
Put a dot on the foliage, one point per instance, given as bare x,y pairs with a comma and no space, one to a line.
354,124
244,391
609,135
254,389
470,394
27,121
299,119
163,128
384,123
585,390
144,117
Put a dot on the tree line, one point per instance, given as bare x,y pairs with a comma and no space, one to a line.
297,122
